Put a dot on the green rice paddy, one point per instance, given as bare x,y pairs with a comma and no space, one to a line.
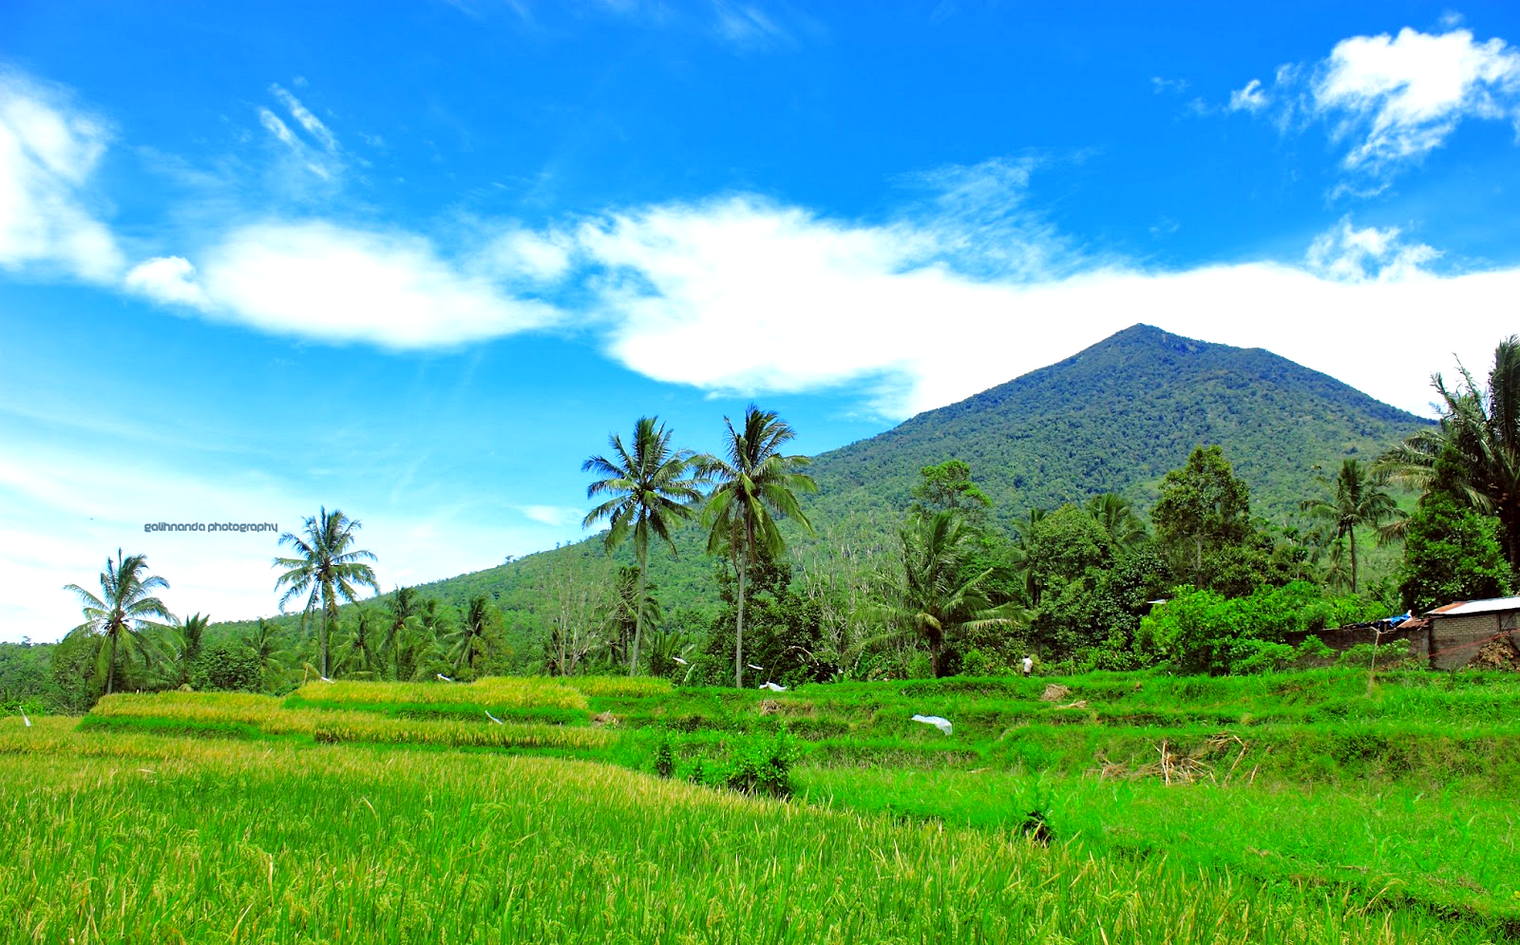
1297,808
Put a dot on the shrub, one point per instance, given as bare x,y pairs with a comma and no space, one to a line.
764,767
664,758
227,666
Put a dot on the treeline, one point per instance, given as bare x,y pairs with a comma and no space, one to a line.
1199,583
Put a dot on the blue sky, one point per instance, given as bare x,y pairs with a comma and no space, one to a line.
417,260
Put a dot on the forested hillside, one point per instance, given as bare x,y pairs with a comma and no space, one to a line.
1112,418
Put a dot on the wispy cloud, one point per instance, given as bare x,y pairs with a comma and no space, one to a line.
1350,254
49,151
555,515
1391,100
1251,98
747,25
315,148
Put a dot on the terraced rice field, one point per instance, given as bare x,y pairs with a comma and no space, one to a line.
1300,808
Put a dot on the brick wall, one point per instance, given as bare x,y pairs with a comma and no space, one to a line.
1456,639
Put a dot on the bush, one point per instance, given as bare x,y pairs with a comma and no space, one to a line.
664,758
1203,631
764,768
1391,655
227,666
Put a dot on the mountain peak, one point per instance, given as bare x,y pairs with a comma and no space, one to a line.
1117,415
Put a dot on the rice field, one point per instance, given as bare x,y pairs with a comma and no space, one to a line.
119,837
1298,808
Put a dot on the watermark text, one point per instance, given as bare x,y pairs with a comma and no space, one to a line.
206,527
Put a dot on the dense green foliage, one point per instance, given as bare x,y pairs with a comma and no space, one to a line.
1202,631
1451,553
1112,419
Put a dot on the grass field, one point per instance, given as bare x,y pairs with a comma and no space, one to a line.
1298,808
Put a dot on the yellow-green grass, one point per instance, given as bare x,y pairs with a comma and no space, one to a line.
168,840
491,691
237,715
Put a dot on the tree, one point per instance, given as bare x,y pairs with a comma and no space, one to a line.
1116,516
121,615
1474,452
468,644
1451,553
188,646
651,491
630,611
264,644
1356,500
936,599
757,486
1067,553
1203,507
227,666
948,485
360,649
397,641
327,568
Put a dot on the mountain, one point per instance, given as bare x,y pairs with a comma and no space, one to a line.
1116,416
1113,418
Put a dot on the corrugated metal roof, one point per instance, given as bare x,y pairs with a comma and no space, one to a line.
1478,606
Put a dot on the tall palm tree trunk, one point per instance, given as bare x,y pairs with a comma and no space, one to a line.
1353,559
111,663
326,637
638,613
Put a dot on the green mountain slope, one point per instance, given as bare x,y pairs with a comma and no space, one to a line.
1113,418
1116,417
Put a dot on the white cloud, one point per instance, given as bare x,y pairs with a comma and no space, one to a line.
745,296
1252,98
169,279
519,254
48,152
1404,95
1161,85
1394,99
335,284
311,123
316,150
747,25
555,515
1349,254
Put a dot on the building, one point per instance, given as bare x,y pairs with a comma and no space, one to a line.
1485,631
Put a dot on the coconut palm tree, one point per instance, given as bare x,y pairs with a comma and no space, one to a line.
264,643
651,490
756,487
186,643
1117,517
397,642
937,598
1356,499
356,652
121,616
326,568
1474,452
467,644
